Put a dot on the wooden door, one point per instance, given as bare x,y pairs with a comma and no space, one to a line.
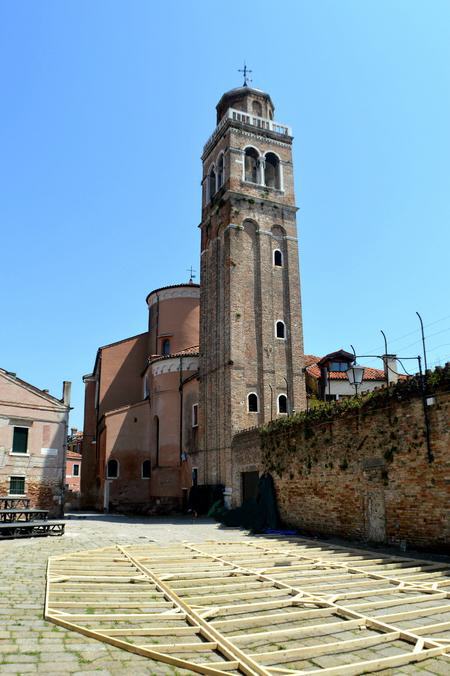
249,485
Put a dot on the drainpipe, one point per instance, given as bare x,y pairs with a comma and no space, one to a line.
157,325
323,382
181,406
67,386
288,407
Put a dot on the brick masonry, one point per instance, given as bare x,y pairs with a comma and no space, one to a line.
243,294
363,474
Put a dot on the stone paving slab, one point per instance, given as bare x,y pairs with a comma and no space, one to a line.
28,644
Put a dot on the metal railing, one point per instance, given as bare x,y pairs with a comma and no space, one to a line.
252,120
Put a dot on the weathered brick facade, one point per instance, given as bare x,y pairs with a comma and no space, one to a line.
363,474
243,293
39,465
138,427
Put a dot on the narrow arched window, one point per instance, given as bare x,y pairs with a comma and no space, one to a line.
112,469
280,330
272,171
211,183
220,172
282,403
146,390
257,108
251,165
278,258
165,346
146,469
252,402
156,421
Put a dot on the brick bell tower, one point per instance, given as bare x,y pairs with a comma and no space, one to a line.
251,342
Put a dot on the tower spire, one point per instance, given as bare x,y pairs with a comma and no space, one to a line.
245,71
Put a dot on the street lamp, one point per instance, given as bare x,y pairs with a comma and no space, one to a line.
355,375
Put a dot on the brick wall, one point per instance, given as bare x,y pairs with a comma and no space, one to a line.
243,295
365,472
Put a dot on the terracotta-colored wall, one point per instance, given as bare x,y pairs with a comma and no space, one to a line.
174,314
180,318
165,402
190,433
121,390
127,441
120,373
88,484
72,481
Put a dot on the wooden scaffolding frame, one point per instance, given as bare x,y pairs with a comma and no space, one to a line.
263,606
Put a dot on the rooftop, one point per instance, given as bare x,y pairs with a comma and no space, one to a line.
173,286
192,351
312,367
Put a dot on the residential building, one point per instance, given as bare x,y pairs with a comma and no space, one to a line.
75,441
33,434
73,473
73,468
326,377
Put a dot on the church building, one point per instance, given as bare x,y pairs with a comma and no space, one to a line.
161,408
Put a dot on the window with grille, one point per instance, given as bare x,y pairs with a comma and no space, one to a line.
17,485
76,470
20,440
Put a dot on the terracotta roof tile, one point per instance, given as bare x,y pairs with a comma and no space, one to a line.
189,351
314,370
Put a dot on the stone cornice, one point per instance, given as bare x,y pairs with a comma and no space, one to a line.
174,365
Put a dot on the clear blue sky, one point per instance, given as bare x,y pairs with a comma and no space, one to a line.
105,107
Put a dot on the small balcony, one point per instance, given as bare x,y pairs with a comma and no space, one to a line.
252,120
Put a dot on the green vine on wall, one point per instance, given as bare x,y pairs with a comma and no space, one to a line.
287,443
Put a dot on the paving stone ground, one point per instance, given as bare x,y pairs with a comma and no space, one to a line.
28,644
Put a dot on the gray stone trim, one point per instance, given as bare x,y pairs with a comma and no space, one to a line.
174,292
174,364
265,139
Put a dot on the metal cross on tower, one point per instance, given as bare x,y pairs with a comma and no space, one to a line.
245,71
192,274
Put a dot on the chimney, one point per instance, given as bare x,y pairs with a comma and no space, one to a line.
390,368
323,382
67,386
73,431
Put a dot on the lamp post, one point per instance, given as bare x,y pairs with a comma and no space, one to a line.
355,375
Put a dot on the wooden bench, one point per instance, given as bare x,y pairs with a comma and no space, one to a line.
7,515
26,529
10,502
